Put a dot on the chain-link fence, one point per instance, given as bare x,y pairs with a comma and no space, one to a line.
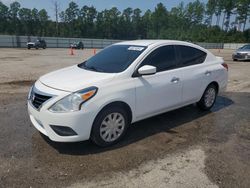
12,41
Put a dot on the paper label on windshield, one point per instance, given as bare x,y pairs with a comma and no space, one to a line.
136,48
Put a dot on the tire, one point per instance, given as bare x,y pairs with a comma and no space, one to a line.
208,98
103,130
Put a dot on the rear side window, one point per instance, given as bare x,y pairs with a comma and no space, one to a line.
163,58
190,56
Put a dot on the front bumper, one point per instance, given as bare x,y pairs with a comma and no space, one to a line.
240,57
42,119
81,122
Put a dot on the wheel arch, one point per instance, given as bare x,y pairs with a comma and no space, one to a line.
121,104
114,103
215,84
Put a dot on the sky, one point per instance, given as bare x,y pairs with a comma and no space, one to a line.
98,4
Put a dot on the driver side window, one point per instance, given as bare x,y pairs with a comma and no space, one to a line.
163,58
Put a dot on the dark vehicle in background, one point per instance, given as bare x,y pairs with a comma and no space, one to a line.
242,53
37,44
77,45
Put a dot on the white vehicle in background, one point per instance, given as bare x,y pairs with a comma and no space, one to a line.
124,83
242,54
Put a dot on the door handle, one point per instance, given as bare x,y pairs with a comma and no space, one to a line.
175,80
208,73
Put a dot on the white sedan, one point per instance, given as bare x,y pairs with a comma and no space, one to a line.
124,83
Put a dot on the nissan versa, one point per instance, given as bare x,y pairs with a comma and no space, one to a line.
124,83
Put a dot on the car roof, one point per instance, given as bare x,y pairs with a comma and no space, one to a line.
244,48
246,45
153,42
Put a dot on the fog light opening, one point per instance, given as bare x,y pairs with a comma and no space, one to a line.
63,131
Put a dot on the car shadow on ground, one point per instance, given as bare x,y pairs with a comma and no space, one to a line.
143,129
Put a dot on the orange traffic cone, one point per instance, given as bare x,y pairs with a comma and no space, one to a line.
71,51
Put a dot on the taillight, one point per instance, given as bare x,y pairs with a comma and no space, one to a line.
225,66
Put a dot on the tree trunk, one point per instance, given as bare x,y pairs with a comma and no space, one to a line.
218,19
245,21
223,21
236,22
228,16
239,26
211,20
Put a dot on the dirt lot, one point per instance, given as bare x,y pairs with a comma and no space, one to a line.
182,148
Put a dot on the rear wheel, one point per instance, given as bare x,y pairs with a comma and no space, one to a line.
209,97
109,126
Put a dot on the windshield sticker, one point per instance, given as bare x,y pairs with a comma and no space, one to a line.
136,48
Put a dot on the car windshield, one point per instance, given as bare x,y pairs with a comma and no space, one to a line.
246,47
113,59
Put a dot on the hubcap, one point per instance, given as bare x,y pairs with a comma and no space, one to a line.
112,127
210,97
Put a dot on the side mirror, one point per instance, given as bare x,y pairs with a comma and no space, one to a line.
147,70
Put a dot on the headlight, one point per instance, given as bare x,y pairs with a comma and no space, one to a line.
30,92
74,101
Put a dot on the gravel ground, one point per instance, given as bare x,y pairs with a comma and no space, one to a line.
182,148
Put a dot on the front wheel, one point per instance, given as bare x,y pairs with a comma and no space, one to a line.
209,97
109,126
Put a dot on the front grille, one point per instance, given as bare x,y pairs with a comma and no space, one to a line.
37,100
241,55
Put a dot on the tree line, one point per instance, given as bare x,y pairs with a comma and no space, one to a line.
214,21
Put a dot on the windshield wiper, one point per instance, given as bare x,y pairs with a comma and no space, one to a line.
93,68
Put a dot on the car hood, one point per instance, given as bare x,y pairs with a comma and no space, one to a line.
74,78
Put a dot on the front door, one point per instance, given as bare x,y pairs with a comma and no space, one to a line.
161,91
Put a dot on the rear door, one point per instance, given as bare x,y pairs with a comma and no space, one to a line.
192,71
